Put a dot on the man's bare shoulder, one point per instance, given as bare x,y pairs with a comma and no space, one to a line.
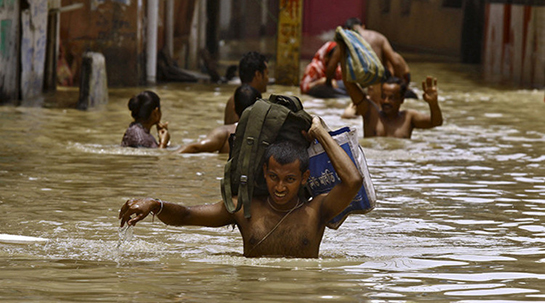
372,35
410,113
227,128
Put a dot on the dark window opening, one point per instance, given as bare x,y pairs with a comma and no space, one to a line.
452,3
384,6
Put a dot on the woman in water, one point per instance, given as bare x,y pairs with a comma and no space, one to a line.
146,111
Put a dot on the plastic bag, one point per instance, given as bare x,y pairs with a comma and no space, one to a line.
323,176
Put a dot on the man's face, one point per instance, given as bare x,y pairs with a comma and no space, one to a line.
262,79
283,181
391,98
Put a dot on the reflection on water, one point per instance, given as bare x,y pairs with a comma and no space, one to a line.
460,216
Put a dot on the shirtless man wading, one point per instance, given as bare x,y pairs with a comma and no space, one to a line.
282,224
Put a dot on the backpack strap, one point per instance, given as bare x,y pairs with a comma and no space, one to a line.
252,139
247,156
275,119
226,193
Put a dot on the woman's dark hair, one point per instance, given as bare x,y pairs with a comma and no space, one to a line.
249,64
143,104
286,152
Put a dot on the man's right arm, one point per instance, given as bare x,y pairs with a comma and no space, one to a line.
356,93
342,193
331,67
401,69
209,215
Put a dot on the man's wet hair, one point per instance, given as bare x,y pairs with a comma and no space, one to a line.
245,95
143,104
400,82
286,152
249,64
349,24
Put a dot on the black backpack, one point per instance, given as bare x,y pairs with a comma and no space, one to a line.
265,122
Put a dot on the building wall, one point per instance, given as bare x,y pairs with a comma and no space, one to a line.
110,27
9,50
321,18
419,25
116,28
33,48
514,50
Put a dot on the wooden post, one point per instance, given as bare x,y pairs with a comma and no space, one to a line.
169,31
288,44
196,35
52,47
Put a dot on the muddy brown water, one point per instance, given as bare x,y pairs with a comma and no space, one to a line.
460,216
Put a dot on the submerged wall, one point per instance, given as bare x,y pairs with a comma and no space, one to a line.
514,50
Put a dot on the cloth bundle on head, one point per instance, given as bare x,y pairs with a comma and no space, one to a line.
362,64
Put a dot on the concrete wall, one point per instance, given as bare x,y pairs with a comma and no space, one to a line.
9,50
33,48
419,25
116,28
111,27
514,50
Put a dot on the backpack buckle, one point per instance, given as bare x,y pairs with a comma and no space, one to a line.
250,140
243,179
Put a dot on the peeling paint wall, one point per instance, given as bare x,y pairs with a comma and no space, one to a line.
33,48
515,45
9,50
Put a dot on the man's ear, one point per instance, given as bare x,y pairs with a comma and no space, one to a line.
258,74
306,175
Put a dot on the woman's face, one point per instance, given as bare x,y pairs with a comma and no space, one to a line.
156,115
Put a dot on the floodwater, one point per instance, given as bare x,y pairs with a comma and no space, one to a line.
460,215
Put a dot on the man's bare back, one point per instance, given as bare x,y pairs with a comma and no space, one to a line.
216,141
